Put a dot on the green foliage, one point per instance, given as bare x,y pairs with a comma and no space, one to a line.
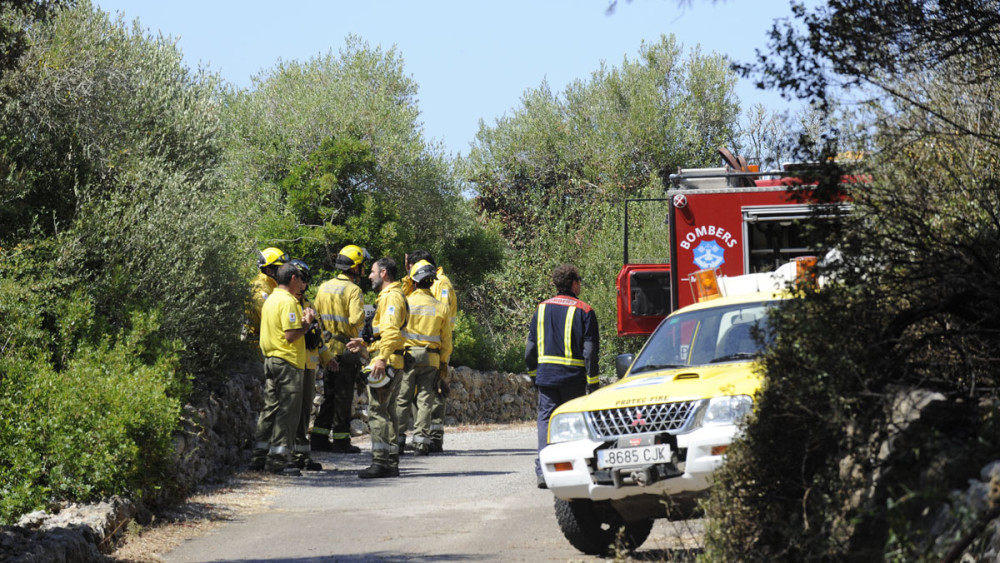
471,344
111,149
913,306
333,152
102,425
552,177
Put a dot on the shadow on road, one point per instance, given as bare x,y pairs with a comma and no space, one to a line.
374,557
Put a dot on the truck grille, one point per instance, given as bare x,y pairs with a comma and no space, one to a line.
664,417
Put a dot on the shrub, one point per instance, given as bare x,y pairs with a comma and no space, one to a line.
101,426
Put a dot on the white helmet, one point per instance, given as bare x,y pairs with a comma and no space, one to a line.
376,382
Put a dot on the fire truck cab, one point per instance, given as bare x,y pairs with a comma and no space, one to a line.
733,219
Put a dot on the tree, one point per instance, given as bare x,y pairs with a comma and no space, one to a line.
334,154
566,162
120,288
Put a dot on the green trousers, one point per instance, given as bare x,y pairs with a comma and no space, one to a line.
278,420
302,448
382,422
417,384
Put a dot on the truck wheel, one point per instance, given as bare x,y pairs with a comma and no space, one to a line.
595,531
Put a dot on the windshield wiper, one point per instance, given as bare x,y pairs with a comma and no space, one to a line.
736,356
651,367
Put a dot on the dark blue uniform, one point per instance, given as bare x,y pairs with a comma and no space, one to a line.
561,354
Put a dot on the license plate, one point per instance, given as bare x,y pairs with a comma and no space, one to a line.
623,457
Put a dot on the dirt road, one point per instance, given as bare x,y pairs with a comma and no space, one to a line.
476,502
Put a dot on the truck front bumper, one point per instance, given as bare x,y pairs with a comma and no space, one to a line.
570,468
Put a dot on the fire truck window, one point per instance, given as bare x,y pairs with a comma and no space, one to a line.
650,293
775,242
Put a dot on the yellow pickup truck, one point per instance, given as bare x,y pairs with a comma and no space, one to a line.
645,447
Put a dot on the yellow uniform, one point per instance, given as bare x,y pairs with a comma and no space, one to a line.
260,288
314,356
444,292
281,312
428,326
428,344
340,308
283,374
387,325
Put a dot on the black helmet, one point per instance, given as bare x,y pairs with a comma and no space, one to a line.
304,268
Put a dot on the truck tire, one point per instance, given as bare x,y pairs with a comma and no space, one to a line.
595,531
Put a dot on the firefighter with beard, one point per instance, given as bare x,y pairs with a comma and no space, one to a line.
428,345
340,308
386,353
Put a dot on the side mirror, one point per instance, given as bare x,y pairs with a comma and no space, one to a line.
622,363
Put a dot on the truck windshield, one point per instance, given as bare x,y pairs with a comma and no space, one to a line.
715,335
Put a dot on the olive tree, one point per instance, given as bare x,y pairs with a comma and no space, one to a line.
553,174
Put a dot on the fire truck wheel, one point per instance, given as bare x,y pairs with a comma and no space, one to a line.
595,531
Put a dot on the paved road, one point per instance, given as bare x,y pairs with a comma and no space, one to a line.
475,502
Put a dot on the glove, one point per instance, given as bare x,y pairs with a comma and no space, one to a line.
591,387
313,338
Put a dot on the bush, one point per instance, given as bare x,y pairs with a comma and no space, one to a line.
99,427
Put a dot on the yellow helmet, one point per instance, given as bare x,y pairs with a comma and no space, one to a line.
271,257
422,270
351,256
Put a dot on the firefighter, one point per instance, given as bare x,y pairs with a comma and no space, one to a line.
386,353
316,352
268,260
341,311
283,325
443,291
428,345
561,350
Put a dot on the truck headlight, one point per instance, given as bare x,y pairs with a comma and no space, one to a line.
567,427
727,410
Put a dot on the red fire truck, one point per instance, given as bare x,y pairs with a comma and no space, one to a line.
733,219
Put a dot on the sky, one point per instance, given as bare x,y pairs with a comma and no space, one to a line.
472,60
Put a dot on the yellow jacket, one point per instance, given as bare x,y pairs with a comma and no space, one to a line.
428,325
316,356
387,325
443,291
341,310
260,288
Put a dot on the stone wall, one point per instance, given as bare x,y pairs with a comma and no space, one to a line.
474,397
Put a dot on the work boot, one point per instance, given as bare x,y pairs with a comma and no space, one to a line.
288,470
435,447
320,443
309,465
421,450
376,471
344,447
